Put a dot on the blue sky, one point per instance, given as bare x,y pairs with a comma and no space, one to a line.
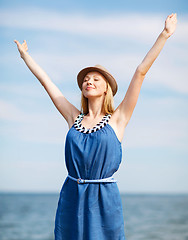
65,36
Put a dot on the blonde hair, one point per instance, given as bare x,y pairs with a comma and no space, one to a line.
108,106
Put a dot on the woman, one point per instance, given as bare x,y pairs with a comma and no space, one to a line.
89,206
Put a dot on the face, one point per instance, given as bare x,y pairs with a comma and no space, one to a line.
94,84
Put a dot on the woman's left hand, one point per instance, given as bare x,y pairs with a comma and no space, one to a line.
170,24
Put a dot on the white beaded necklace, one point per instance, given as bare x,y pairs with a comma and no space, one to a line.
78,125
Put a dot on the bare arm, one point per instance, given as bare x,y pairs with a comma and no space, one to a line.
126,107
68,110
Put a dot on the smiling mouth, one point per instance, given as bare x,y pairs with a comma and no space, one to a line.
89,88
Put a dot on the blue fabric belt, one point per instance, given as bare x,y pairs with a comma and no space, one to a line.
80,180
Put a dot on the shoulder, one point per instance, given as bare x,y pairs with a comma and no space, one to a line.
117,118
75,114
118,123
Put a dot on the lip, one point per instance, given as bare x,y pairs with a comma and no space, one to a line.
89,88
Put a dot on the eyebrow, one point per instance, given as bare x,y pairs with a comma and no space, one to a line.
93,76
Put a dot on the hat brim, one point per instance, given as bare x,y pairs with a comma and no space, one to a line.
109,77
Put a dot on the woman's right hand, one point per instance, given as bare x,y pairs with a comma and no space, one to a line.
170,25
22,48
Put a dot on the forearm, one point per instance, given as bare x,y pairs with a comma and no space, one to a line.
153,53
35,69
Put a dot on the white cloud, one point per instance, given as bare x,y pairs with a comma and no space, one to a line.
152,132
11,112
129,25
37,176
144,130
158,122
169,71
152,176
32,126
166,72
49,176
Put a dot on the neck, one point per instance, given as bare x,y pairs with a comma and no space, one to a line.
95,107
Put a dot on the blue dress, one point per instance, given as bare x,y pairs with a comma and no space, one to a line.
90,211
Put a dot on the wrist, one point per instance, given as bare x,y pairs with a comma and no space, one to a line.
24,54
165,34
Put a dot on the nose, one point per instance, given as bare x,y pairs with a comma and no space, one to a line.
89,81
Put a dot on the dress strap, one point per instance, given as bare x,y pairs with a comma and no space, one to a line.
80,180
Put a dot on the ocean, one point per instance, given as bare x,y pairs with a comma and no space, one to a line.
31,216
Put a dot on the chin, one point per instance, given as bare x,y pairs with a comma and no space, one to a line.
91,95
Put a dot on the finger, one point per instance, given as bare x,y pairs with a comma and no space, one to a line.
174,19
171,15
18,44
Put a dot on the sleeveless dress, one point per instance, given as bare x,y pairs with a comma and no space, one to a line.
90,211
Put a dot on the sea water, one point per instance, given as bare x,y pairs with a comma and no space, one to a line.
146,216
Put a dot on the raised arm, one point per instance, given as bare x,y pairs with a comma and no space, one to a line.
68,110
126,107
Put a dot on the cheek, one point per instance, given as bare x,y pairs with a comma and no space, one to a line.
103,87
83,84
101,84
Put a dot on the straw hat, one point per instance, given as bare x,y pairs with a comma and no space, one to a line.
103,71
